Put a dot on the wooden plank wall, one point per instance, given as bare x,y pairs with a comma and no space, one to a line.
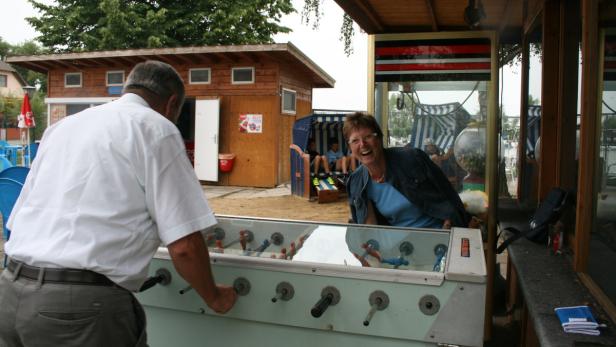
298,81
262,159
92,83
256,155
93,80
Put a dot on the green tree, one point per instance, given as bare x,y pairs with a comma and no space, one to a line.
39,109
312,12
5,48
10,105
401,107
609,123
533,101
87,25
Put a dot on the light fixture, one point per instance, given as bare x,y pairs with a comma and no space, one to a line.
474,14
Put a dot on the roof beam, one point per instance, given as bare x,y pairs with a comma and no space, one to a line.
430,7
250,56
36,66
184,60
62,64
165,59
504,17
363,14
125,60
210,58
95,62
224,56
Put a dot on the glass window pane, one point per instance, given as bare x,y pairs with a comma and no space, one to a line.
3,81
288,101
73,79
602,252
242,75
199,75
115,78
446,119
530,180
434,95
75,108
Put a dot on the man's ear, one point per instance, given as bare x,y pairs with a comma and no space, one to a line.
172,108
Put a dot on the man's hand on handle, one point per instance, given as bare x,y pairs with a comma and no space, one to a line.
224,300
192,261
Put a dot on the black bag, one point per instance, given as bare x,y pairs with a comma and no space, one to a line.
548,212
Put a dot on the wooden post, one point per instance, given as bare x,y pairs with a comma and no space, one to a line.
567,94
588,130
521,167
548,162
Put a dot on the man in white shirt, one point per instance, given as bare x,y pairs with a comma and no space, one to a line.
109,185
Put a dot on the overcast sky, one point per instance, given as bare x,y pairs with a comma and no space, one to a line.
322,46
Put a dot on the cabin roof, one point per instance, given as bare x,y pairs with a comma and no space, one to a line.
281,52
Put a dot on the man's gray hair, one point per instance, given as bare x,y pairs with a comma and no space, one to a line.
156,77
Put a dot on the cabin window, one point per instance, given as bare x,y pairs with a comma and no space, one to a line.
3,81
242,75
288,101
199,76
72,80
71,109
115,78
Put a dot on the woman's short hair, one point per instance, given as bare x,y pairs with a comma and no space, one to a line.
156,77
360,120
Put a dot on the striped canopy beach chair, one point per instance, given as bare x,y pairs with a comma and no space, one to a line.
323,127
442,123
533,129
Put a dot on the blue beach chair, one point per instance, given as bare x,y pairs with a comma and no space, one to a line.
30,153
5,163
11,182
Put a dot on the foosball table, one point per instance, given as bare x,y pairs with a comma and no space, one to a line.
316,284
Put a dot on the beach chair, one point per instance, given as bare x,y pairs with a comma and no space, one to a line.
11,182
4,163
17,173
3,145
30,153
441,123
322,127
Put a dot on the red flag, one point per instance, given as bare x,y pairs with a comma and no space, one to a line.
26,112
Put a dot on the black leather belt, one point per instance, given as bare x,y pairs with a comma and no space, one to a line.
54,275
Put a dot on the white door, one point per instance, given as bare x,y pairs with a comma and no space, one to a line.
207,115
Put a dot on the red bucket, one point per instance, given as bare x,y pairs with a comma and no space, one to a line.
225,161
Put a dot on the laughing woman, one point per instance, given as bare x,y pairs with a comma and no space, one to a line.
397,186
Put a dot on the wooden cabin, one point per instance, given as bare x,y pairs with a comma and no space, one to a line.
572,37
241,101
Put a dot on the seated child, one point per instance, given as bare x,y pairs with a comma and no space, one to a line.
315,162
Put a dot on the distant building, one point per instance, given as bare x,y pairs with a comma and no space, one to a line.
11,82
11,86
241,100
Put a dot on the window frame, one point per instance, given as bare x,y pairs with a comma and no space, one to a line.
6,81
209,75
66,74
233,69
282,94
115,84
